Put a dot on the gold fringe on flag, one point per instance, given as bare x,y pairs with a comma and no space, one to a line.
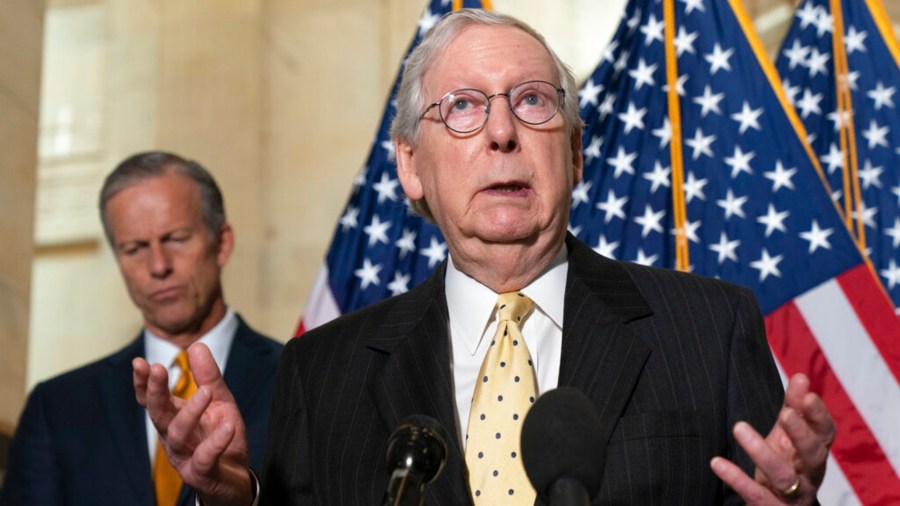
679,212
485,4
852,192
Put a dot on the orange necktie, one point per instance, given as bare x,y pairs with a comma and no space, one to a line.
166,480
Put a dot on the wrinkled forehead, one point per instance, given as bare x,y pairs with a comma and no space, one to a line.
492,58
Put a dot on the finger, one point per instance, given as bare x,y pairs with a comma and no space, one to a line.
816,414
206,372
207,455
797,388
751,491
219,472
159,402
183,434
778,471
808,445
140,376
810,435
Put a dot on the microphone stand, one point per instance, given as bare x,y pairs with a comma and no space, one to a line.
415,457
404,489
568,492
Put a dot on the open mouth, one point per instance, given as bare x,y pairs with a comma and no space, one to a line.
509,188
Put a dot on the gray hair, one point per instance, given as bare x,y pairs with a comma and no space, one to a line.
153,164
410,96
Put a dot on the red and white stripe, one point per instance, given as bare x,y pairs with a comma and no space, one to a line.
843,334
321,307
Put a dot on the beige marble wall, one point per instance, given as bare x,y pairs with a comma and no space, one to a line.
325,83
21,24
209,107
80,309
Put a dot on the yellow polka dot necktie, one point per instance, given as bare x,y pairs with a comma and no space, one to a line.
166,480
505,390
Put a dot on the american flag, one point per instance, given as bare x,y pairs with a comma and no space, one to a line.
751,207
746,198
868,73
380,248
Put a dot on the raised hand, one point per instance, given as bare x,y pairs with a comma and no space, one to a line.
204,436
790,461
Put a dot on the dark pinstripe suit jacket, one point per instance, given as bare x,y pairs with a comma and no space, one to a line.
671,361
82,439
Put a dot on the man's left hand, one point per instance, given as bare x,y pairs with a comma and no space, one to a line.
790,461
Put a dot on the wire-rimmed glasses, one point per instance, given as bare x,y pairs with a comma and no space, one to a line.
465,111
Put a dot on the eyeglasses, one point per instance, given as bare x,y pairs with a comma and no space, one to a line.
467,110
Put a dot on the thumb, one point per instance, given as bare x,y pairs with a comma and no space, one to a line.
206,372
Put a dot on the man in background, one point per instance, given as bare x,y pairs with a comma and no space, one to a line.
82,437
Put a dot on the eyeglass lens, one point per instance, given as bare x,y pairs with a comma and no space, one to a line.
466,110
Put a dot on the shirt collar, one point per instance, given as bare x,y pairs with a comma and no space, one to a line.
471,304
218,340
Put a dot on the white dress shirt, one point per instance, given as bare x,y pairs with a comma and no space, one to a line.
473,321
159,351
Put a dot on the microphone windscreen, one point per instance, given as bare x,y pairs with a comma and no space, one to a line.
420,445
562,438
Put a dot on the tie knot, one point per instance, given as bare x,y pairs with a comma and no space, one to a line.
186,385
181,360
513,306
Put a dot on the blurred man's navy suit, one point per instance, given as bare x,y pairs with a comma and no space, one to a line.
82,437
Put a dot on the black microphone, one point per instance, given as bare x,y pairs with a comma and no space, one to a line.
416,454
563,450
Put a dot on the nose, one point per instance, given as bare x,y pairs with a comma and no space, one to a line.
160,263
502,126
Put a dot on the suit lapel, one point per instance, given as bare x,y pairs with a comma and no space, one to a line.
414,377
127,422
242,373
601,355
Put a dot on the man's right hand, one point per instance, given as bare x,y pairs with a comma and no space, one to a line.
204,436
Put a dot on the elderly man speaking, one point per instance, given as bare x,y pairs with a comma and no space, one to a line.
488,141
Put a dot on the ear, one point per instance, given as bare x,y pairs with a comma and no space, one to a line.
226,244
407,171
577,156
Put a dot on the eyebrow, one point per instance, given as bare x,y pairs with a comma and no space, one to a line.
169,233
